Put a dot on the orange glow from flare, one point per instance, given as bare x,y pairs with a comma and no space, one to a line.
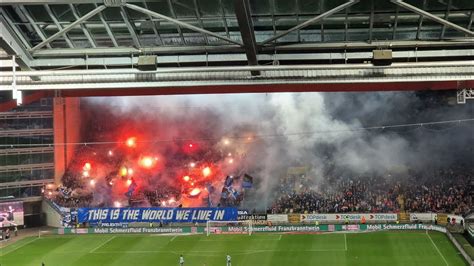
186,178
87,166
206,171
131,142
129,182
195,192
123,171
147,162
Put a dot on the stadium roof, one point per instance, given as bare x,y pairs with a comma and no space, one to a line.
110,34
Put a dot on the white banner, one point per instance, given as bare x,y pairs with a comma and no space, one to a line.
424,217
457,219
430,217
277,218
352,217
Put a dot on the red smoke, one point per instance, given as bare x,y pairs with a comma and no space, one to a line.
173,159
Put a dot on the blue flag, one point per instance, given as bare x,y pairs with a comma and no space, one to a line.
131,189
247,181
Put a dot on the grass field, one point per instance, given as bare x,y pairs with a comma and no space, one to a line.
376,248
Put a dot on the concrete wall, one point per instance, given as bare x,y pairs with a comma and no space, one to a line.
52,217
67,130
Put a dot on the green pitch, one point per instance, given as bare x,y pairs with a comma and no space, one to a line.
377,248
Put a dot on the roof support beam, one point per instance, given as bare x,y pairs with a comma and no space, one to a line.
163,50
60,2
471,18
420,23
83,27
371,19
224,19
21,10
56,22
11,44
395,22
197,11
68,28
154,24
446,16
130,27
298,12
432,17
346,26
173,15
244,19
108,29
311,21
239,58
180,23
7,21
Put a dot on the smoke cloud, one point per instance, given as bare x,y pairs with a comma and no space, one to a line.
272,132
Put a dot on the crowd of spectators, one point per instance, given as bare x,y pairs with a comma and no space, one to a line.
443,191
446,191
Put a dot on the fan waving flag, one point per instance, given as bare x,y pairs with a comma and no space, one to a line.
247,181
228,181
131,189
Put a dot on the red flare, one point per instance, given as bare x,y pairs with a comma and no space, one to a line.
147,162
195,192
131,142
87,166
206,171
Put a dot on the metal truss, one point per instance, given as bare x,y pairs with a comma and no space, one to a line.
311,21
430,16
162,78
239,57
68,28
130,26
12,45
56,22
180,23
256,35
244,19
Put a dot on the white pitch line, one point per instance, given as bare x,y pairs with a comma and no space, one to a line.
202,252
230,240
345,242
20,246
103,243
437,249
173,238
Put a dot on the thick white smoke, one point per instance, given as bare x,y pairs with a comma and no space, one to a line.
312,129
